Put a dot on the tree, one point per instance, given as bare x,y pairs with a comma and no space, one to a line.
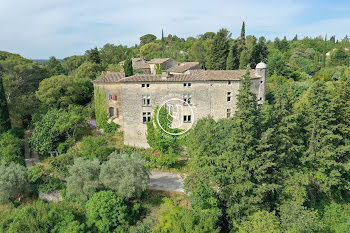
276,64
11,148
218,51
244,60
324,52
128,69
124,174
156,138
109,213
95,148
47,217
93,55
55,67
232,62
259,52
88,70
197,53
336,218
326,151
83,181
260,222
148,38
297,218
62,91
21,78
177,219
71,64
58,126
5,122
339,57
236,179
13,180
152,47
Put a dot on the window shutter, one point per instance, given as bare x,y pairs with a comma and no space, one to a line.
113,97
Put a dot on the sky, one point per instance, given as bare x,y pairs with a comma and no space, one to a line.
38,29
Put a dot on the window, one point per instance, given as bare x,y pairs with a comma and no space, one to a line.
111,112
260,98
187,84
229,96
261,81
187,118
228,113
147,85
114,97
143,85
110,97
187,99
229,83
146,117
146,100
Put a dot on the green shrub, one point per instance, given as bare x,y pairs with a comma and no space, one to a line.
61,163
95,148
11,148
108,213
164,161
43,181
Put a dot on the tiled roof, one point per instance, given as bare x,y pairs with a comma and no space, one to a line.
194,75
158,60
110,77
183,67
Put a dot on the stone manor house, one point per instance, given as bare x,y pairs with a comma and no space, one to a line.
131,100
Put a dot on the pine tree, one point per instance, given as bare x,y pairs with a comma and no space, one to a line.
93,55
218,51
243,60
5,123
324,52
128,70
232,62
241,40
326,151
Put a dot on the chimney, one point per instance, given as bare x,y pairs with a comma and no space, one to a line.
165,75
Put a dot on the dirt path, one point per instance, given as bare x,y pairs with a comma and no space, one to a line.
166,181
31,158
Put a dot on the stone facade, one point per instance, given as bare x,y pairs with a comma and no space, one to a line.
213,93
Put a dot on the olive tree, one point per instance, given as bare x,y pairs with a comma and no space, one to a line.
125,174
83,180
13,180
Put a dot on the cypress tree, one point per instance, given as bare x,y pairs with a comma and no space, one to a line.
243,32
163,46
235,168
5,123
128,70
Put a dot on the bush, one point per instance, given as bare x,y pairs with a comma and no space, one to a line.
124,174
161,162
176,219
83,180
13,180
12,148
260,222
43,181
61,163
109,213
46,217
95,148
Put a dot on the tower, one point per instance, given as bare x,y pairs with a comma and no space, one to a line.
261,70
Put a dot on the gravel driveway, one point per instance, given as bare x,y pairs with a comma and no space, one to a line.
166,181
